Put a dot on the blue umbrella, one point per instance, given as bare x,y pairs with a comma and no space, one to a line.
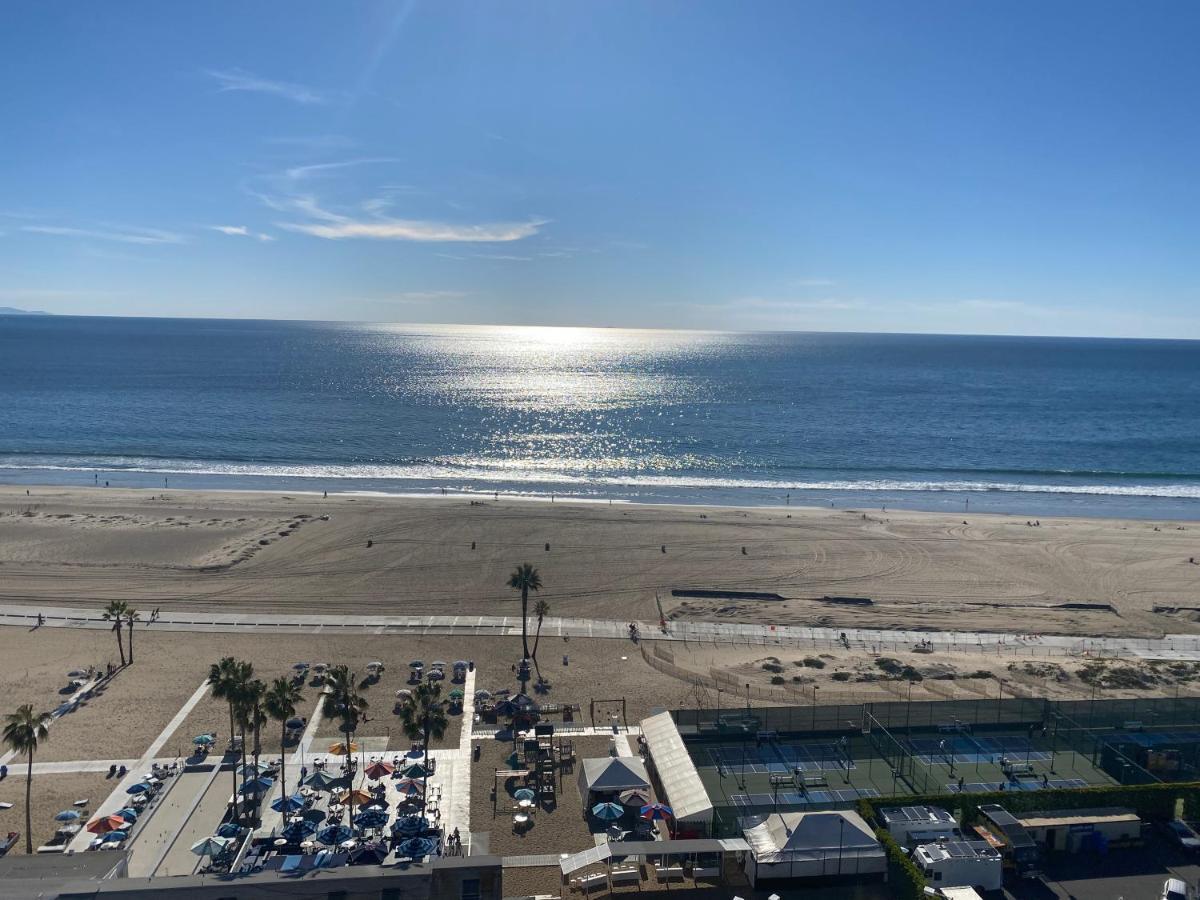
369,855
610,812
299,830
409,825
129,815
293,803
257,786
524,794
228,830
116,835
372,818
67,815
334,834
416,847
202,740
250,770
140,788
294,724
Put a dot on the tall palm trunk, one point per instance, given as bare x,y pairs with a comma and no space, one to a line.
257,751
28,809
350,775
120,641
524,616
283,763
130,640
425,768
236,811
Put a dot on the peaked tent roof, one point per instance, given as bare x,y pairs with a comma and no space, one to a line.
801,835
613,773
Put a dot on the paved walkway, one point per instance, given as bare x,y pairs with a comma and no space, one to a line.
1172,646
119,796
194,821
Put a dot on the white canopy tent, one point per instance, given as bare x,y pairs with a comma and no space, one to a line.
672,765
611,775
811,845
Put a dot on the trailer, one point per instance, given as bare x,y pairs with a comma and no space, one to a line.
1004,831
912,825
973,864
1075,830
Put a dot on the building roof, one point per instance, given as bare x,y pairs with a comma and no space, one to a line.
676,770
944,850
1056,817
613,773
642,849
781,837
916,815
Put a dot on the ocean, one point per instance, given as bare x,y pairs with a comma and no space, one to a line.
1028,426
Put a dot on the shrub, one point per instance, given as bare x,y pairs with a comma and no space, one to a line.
812,662
772,667
889,665
841,676
777,679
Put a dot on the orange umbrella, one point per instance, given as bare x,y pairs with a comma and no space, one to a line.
106,824
377,770
358,796
339,749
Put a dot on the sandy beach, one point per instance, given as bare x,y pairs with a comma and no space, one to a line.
305,553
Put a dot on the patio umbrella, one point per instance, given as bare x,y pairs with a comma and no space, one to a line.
461,664
410,787
506,708
129,815
229,830
375,664
67,815
416,847
609,812
202,740
294,724
438,664
293,803
414,770
409,825
140,788
481,694
372,818
257,786
77,673
334,834
652,811
358,796
320,780
339,748
105,824
115,837
369,855
635,798
436,674
210,846
416,664
404,693
524,794
456,694
250,770
321,667
300,667
377,770
299,830
523,701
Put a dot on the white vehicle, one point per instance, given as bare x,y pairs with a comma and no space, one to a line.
948,864
1175,889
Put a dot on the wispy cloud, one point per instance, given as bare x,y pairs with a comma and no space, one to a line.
122,235
241,80
299,173
241,231
814,282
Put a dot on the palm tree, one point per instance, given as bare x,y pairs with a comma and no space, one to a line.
228,678
525,578
541,609
22,732
115,612
251,717
423,714
131,615
344,702
280,704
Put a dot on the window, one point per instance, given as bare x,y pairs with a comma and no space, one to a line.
469,889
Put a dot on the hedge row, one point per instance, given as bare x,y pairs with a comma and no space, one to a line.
904,878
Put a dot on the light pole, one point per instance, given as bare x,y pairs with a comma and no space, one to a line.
999,699
814,708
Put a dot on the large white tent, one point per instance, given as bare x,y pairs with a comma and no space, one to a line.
611,775
676,773
811,845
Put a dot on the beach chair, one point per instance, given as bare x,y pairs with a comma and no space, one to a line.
291,864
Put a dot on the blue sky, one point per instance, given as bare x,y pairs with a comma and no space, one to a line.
1024,168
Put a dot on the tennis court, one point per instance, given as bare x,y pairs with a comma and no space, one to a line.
794,799
774,758
968,750
1033,784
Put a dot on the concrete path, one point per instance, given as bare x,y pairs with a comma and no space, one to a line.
163,822
117,799
174,855
1172,646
